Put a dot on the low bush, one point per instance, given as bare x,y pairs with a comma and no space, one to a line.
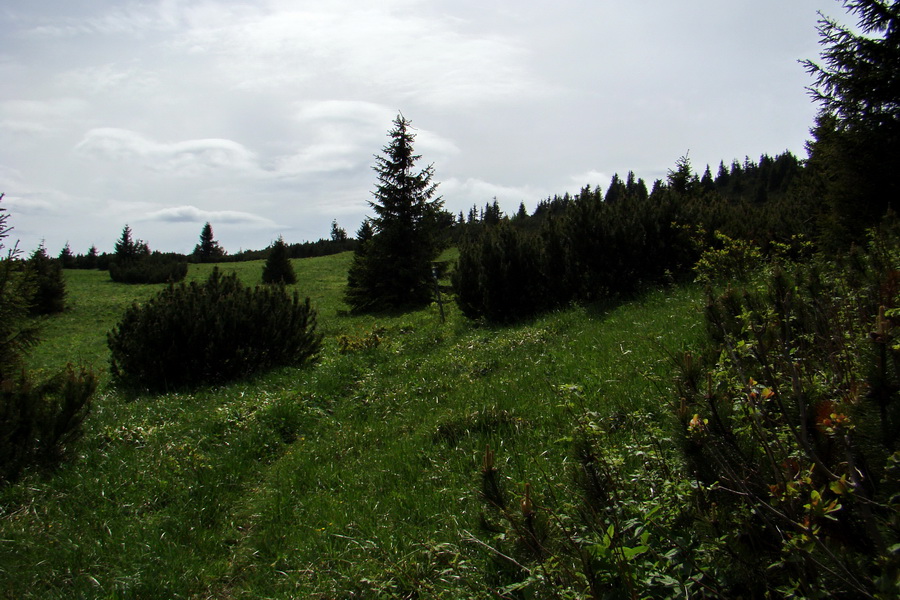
39,422
155,268
210,332
781,476
49,293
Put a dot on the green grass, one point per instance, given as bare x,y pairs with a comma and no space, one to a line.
356,475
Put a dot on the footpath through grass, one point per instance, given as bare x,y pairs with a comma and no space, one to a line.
355,476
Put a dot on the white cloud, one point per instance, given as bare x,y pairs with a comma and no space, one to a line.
186,110
111,78
192,214
190,157
41,117
592,178
414,55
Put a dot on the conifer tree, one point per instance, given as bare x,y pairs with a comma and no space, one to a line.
522,213
338,233
208,250
17,335
393,269
92,257
129,249
278,268
66,257
49,292
856,148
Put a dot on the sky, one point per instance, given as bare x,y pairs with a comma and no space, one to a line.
264,117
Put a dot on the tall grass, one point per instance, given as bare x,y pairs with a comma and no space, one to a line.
358,475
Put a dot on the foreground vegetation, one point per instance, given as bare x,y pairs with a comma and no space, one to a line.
693,441
357,475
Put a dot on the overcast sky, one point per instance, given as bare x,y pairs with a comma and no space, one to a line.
262,116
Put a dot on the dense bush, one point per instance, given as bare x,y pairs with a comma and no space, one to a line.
595,249
789,425
49,293
209,332
501,275
278,267
153,268
39,422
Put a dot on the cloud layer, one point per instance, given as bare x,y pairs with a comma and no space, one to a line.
263,116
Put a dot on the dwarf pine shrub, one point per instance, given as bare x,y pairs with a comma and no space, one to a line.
209,332
154,268
789,424
39,421
49,286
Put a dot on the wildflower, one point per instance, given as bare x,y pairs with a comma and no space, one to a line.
697,425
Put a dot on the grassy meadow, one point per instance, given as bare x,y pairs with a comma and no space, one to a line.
357,476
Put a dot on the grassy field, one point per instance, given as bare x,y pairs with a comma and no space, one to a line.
353,477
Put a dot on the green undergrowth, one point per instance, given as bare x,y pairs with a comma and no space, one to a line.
358,476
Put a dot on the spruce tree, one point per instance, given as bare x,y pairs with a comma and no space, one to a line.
208,250
856,148
393,269
278,268
66,257
17,334
338,233
49,292
92,257
128,249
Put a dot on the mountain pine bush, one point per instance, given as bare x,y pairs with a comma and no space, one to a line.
209,332
49,286
40,421
153,268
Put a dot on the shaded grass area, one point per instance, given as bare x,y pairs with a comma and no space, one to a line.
355,476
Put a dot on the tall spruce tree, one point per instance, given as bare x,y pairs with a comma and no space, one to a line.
128,249
856,146
208,250
393,269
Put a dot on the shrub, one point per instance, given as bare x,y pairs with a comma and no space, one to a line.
154,268
781,477
350,344
500,275
39,422
49,294
210,332
789,424
278,268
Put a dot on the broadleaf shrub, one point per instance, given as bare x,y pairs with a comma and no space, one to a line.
779,475
789,425
219,330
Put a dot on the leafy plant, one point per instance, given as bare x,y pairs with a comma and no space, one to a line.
789,423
